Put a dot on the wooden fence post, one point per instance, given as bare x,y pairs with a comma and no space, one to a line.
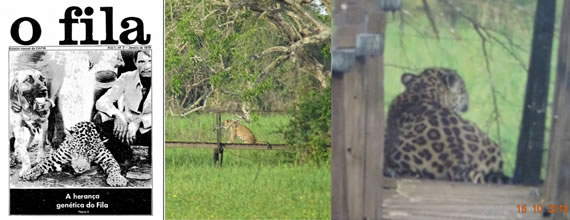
557,183
219,151
357,109
530,147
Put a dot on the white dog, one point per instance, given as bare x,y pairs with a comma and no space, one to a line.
29,109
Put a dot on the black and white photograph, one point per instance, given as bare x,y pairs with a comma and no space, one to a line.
80,118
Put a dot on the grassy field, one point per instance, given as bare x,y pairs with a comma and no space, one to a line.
252,183
201,127
409,48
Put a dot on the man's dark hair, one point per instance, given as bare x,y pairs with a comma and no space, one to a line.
136,55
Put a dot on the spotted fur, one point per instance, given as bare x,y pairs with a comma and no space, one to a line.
81,146
427,137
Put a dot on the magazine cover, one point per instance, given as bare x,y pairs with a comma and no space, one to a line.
82,119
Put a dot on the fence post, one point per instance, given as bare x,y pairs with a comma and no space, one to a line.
219,151
530,145
557,182
357,109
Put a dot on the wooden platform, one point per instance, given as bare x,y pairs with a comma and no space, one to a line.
415,199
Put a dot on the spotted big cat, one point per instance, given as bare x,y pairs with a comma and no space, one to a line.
81,146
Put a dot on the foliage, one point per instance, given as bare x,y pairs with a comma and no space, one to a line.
309,128
508,17
229,54
248,55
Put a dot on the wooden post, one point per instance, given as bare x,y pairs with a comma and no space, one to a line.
219,151
357,109
563,45
531,138
339,207
557,183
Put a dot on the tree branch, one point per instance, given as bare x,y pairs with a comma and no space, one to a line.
496,114
193,107
430,18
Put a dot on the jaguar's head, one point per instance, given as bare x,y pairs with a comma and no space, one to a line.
80,163
440,85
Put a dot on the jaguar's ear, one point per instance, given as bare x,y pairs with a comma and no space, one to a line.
451,80
407,78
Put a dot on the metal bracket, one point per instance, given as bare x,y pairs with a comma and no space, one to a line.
388,5
368,44
342,59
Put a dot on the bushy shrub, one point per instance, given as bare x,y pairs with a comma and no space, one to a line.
309,129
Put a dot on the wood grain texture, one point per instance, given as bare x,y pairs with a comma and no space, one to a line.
357,115
557,183
373,135
354,141
422,199
339,208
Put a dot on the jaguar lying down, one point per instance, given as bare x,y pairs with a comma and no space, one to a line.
428,138
81,146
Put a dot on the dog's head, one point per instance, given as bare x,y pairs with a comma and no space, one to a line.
29,93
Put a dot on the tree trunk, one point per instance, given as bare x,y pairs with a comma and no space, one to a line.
531,138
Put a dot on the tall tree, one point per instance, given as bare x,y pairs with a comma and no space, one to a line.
531,139
243,54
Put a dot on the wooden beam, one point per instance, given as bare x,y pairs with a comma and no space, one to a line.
411,199
531,138
560,73
373,81
355,144
357,110
557,183
339,208
236,111
214,145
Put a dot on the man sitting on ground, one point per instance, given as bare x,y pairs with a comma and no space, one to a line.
130,122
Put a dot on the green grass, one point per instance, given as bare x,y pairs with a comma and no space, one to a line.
201,127
251,184
408,48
